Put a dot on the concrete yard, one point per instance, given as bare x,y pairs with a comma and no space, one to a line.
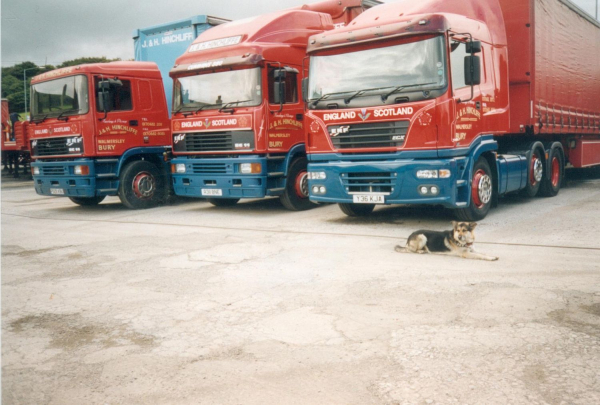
252,304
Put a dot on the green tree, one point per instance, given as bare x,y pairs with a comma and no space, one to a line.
80,61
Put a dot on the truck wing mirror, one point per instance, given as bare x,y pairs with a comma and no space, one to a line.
473,47
472,70
279,74
104,101
279,92
305,89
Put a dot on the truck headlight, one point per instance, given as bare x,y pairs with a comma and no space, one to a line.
178,168
82,170
427,174
317,175
250,168
35,171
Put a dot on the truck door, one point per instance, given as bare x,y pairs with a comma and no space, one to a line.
285,125
468,114
117,129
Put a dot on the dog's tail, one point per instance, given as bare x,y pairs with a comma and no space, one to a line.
401,249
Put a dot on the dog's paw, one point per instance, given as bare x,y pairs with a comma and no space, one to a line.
495,259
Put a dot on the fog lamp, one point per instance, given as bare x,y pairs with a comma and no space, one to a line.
35,171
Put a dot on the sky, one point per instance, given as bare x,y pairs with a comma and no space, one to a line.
52,31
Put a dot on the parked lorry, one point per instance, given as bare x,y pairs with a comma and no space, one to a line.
100,130
237,116
163,43
15,151
452,102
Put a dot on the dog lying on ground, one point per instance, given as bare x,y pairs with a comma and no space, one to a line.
457,242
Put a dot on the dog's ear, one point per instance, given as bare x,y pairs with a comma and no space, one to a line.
472,225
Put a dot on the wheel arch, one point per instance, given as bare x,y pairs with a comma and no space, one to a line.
298,150
152,155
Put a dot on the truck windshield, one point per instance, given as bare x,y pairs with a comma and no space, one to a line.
66,96
214,90
407,67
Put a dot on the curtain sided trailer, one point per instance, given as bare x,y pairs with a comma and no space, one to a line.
237,116
452,102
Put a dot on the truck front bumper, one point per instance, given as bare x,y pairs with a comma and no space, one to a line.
59,178
219,178
395,181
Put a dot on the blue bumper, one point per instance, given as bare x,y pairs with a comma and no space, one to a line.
219,178
395,180
59,179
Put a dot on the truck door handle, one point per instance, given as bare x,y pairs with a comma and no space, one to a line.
133,123
299,117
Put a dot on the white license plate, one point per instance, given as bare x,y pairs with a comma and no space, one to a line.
212,191
57,191
368,199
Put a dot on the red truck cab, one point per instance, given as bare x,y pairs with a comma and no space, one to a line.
432,102
99,130
238,118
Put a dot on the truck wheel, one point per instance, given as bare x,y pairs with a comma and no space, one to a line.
87,201
295,196
482,190
223,202
552,180
357,210
141,185
535,174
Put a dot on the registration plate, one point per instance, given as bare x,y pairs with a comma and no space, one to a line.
57,191
212,191
368,199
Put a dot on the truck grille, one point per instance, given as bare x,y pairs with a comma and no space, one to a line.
53,170
213,141
209,168
371,135
368,182
57,146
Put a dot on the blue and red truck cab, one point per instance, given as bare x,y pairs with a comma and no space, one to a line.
238,118
451,102
101,130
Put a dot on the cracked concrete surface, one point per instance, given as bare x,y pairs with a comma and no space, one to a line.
252,304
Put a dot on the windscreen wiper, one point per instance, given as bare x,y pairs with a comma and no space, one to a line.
64,112
315,101
40,120
361,92
232,103
398,89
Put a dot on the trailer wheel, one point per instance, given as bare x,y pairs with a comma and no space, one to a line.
295,196
535,174
482,190
87,201
550,185
141,185
223,202
356,210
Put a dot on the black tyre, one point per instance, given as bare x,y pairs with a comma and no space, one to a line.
535,173
223,202
357,210
482,191
554,173
87,201
142,185
295,196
